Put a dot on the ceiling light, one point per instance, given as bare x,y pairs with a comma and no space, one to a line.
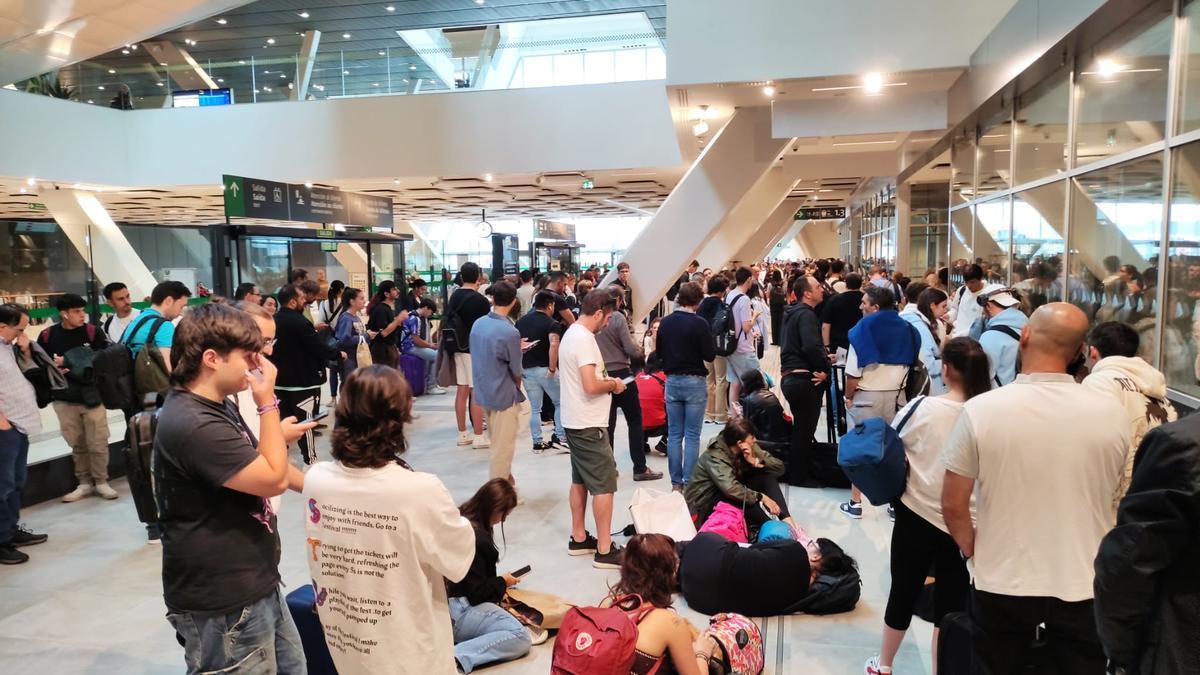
241,62
270,41
487,177
345,72
133,47
395,181
308,184
283,74
302,14
124,51
101,87
22,190
159,83
112,71
90,101
222,21
374,84
162,63
31,181
1108,67
768,91
412,67
872,83
700,128
381,52
220,79
390,8
479,2
345,36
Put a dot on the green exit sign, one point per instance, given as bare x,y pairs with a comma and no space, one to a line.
37,206
588,183
326,234
329,246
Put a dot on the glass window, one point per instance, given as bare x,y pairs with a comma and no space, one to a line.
1189,95
568,69
173,253
631,65
1122,93
1041,129
539,71
962,252
38,261
995,153
962,170
992,238
1116,228
598,67
1183,292
1037,243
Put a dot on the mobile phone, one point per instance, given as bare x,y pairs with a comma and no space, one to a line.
627,380
530,345
522,572
319,416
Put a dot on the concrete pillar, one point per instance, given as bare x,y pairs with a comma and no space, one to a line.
735,160
304,64
773,230
904,230
182,68
749,217
112,258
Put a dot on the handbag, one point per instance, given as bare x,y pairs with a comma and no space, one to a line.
535,609
363,354
659,512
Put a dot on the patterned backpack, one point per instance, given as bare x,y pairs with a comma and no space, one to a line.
741,644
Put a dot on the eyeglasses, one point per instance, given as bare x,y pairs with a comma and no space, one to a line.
270,343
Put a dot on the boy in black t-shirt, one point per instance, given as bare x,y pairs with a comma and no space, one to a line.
540,364
468,305
212,479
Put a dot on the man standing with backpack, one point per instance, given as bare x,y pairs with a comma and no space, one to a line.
744,358
117,296
73,343
964,305
1002,310
464,307
717,386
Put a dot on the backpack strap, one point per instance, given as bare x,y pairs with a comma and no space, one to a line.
638,612
1007,330
908,415
158,322
657,379
91,331
133,328
108,322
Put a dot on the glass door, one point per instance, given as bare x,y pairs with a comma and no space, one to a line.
264,261
328,260
387,262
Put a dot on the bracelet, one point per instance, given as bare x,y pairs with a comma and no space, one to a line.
272,406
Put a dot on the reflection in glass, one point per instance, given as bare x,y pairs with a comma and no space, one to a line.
927,236
962,251
1116,227
39,261
263,261
1041,129
992,230
995,152
962,170
1189,95
1121,94
1182,312
177,253
1037,243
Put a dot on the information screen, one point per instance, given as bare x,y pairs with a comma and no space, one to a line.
201,98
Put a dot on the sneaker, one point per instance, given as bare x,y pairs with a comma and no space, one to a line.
539,448
851,509
537,634
83,490
154,533
678,488
435,390
610,560
481,442
547,423
647,475
556,441
105,491
872,667
23,536
9,555
588,545
464,438
661,447
892,513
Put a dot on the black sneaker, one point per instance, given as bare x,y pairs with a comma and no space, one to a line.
588,545
610,560
661,447
647,475
555,440
9,555
22,536
539,448
154,533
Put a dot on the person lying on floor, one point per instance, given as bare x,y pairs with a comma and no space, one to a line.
484,632
735,469
767,578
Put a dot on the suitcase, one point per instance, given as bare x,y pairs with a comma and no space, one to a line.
413,368
954,645
302,603
835,412
139,448
825,468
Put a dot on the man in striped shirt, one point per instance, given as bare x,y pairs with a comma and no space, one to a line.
19,419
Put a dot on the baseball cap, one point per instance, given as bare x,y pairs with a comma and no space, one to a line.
1001,295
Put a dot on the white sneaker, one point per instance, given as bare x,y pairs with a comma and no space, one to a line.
105,491
464,438
872,667
84,490
537,634
435,390
482,442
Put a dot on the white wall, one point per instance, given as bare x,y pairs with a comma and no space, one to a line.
722,41
609,126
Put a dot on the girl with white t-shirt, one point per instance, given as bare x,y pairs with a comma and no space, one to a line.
920,539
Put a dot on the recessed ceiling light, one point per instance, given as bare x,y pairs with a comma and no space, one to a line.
112,71
390,8
412,67
479,2
872,83
768,91
303,14
374,84
381,52
345,36
31,181
159,83
90,101
241,62
220,79
222,21
101,87
308,184
162,63
22,190
345,72
396,181
270,41
488,177
283,74
124,51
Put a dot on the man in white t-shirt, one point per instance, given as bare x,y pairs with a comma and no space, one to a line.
744,359
964,303
1046,454
586,393
116,295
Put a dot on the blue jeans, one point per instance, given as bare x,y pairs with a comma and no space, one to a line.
429,356
537,382
258,638
333,381
686,395
485,634
14,456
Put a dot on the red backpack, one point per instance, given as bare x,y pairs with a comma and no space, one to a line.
599,640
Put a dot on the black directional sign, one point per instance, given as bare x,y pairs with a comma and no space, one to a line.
254,198
821,213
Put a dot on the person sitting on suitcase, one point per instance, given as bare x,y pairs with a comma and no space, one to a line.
212,480
736,470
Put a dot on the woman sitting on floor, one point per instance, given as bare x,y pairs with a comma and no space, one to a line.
763,409
483,632
736,470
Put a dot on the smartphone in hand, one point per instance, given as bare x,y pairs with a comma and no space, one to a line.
523,571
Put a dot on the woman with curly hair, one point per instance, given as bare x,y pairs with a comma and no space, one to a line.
382,538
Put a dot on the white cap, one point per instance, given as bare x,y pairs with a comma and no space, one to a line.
1001,295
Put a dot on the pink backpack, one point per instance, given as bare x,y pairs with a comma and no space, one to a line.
741,642
599,640
728,521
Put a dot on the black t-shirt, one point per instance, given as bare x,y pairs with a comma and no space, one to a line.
220,546
57,341
537,326
469,305
842,312
380,316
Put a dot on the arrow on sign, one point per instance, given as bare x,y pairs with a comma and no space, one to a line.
233,187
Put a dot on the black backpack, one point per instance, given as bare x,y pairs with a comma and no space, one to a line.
724,329
139,451
830,595
455,335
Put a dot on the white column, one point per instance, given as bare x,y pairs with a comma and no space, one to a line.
773,230
112,257
304,64
747,218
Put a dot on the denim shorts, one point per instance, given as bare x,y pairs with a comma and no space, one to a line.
738,364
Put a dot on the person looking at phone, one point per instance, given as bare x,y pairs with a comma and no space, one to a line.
735,469
483,632
212,481
619,350
540,364
745,316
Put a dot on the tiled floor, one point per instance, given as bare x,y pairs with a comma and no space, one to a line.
90,599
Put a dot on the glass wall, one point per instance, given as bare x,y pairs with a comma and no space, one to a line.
1091,226
877,229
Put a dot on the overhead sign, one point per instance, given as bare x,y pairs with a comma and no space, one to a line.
821,213
37,206
552,229
588,184
269,200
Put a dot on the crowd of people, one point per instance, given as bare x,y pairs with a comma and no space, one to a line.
1051,492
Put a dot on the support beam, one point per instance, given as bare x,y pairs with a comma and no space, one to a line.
747,218
775,228
487,50
182,68
740,154
83,217
304,64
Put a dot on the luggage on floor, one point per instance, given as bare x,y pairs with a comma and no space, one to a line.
954,644
825,467
830,595
835,412
873,456
659,512
302,603
599,640
413,368
139,448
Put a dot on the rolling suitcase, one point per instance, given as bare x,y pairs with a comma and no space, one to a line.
302,603
825,468
413,368
954,644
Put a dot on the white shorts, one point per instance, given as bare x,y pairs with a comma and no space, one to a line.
462,369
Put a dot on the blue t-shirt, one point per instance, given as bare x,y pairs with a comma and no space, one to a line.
137,332
410,327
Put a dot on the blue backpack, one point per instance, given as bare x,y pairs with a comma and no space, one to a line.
872,455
